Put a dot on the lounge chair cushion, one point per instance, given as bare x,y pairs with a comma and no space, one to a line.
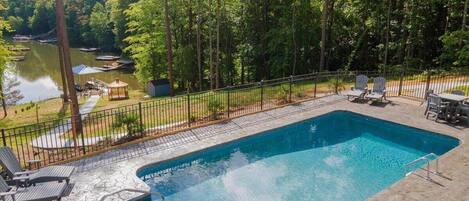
41,192
374,96
356,93
52,173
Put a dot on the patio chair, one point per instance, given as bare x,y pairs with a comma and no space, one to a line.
461,93
12,166
378,93
463,111
436,106
42,192
458,92
360,88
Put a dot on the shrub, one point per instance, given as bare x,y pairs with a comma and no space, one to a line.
192,118
214,106
282,95
300,94
131,122
335,83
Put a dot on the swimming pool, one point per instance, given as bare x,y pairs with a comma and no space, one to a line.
336,156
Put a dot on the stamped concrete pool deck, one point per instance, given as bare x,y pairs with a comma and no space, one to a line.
116,169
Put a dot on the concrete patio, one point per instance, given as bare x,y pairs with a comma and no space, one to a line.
115,170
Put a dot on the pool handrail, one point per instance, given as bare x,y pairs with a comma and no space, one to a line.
133,190
427,160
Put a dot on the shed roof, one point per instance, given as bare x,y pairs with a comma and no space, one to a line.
117,83
160,82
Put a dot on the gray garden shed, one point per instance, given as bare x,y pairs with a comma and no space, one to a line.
158,87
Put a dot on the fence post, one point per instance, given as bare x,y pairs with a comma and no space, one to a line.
140,114
315,83
262,94
337,82
290,90
401,81
189,109
228,100
82,134
4,139
427,86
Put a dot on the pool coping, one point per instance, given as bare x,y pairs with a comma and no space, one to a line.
123,174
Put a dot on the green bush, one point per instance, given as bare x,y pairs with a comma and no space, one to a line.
300,94
335,83
282,95
131,122
214,106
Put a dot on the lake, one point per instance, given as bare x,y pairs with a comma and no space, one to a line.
39,74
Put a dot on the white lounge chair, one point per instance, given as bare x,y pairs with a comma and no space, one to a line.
378,93
360,88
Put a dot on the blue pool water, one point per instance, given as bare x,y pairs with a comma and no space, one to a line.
337,156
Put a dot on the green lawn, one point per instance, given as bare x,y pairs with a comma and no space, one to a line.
24,114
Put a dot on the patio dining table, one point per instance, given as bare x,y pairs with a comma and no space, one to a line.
454,101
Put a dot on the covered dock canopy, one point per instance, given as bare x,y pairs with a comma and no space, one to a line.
83,69
118,90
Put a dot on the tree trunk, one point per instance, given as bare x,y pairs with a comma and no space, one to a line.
386,44
193,45
324,20
409,44
2,96
62,74
403,33
264,42
169,47
212,71
330,21
448,16
217,56
357,47
463,25
293,71
64,44
199,55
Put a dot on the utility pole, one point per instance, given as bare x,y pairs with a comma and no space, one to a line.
64,50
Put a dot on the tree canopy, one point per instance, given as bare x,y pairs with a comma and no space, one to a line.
216,43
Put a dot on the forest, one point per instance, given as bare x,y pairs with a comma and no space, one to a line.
202,44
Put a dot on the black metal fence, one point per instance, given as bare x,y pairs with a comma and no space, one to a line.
54,141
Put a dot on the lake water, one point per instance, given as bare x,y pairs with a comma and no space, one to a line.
39,74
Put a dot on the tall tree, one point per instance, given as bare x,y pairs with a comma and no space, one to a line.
386,43
4,57
324,22
217,57
100,26
463,24
64,46
169,47
199,46
210,48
